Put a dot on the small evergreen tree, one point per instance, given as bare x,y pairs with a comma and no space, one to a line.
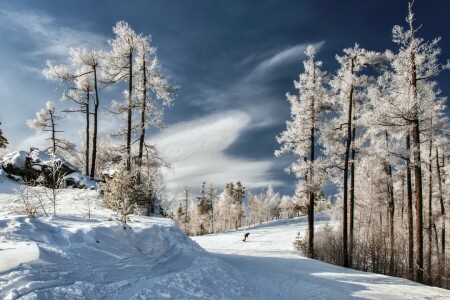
3,140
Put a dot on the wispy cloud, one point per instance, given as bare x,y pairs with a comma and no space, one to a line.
254,85
46,34
196,148
282,58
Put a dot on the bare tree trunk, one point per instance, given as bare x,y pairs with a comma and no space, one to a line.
430,213
410,209
311,178
441,202
129,110
391,222
403,198
87,134
352,198
436,243
94,137
142,125
419,202
346,165
53,133
416,150
391,210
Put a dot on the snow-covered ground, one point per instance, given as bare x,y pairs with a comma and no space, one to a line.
267,261
69,256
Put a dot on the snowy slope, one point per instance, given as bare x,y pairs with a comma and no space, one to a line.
69,256
268,261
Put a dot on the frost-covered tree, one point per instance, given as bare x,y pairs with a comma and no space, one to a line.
340,135
300,137
287,207
46,120
3,140
229,209
84,78
211,197
203,210
122,193
413,67
152,89
120,65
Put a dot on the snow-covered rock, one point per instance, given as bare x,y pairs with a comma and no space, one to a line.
30,166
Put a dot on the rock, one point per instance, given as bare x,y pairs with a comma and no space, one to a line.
37,167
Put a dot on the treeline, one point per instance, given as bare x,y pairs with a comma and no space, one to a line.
377,129
212,212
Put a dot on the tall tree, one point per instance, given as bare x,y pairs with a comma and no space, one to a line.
119,66
300,137
349,87
152,87
85,78
413,67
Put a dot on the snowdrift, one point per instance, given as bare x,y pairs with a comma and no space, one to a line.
76,258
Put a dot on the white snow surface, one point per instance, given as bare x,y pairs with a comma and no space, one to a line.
68,256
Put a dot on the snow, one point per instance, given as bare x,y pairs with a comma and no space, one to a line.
16,158
70,256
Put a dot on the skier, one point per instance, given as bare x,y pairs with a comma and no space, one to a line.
246,236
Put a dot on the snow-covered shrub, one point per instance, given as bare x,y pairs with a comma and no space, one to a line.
122,193
328,245
29,201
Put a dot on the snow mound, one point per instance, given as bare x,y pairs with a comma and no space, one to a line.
75,258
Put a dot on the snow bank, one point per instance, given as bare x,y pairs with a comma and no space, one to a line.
76,258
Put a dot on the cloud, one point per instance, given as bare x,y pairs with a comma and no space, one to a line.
30,37
46,35
196,148
282,58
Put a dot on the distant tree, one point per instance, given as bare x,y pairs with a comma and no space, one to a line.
3,140
239,196
210,202
46,120
202,209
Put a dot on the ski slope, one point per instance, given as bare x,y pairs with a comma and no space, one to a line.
267,260
70,256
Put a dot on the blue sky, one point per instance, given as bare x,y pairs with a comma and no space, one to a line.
234,61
